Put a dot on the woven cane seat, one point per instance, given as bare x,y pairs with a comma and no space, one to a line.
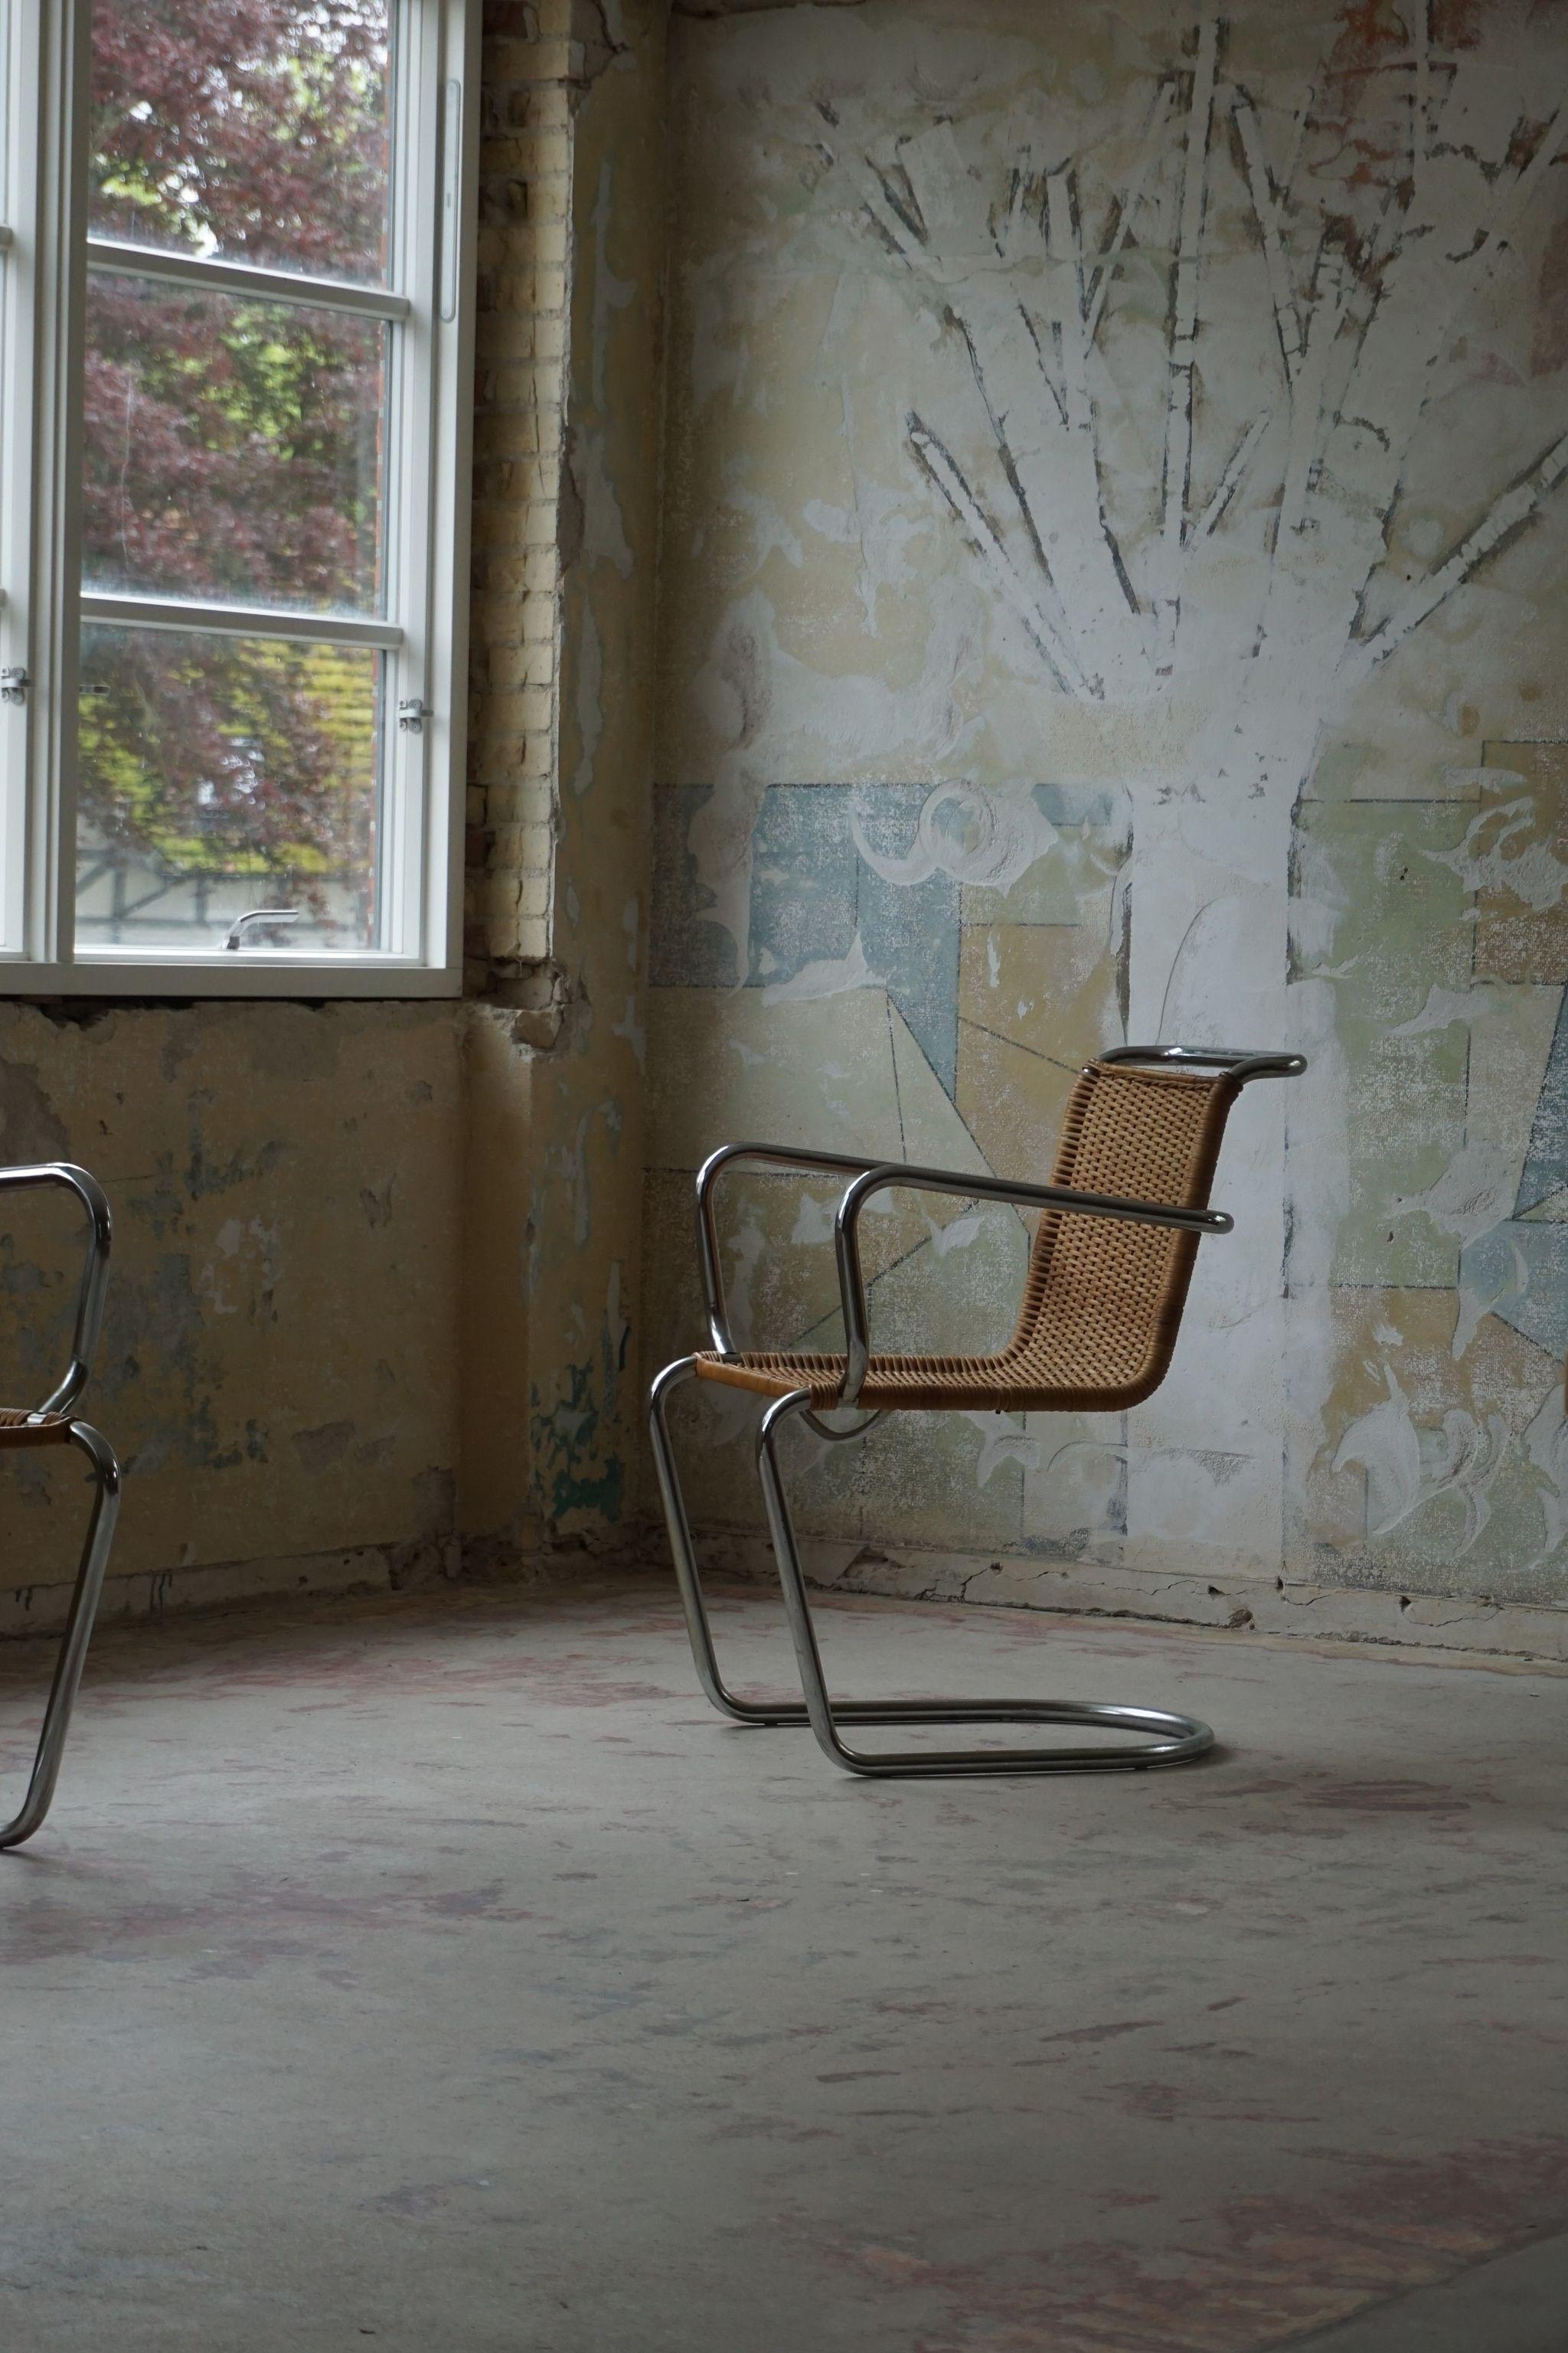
1103,1299
19,1428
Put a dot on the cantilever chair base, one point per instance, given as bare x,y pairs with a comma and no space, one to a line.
1118,1228
1165,1739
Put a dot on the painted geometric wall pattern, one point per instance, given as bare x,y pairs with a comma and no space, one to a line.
1173,409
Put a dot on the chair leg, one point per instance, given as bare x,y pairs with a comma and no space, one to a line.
1168,1739
762,1709
77,1635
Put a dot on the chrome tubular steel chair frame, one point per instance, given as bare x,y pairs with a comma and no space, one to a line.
52,1423
1165,1738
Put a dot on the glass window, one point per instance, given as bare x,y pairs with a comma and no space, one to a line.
245,131
232,493
219,775
233,448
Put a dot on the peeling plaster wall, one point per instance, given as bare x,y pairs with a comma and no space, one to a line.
585,1282
1113,581
1110,519
278,1362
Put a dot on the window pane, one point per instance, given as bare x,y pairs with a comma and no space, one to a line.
251,130
232,447
220,774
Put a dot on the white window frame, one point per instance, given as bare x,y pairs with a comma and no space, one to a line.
44,79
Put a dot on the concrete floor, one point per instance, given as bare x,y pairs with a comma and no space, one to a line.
442,1973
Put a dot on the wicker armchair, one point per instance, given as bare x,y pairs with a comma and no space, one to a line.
1118,1232
53,1424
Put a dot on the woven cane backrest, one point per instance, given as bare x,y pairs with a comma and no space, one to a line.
1105,1297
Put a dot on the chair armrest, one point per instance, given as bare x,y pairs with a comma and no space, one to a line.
94,1274
1243,1063
846,1233
781,1155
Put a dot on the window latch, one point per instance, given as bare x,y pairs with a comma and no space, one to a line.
412,715
238,936
14,685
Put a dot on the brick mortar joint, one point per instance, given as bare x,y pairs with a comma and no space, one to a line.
546,1007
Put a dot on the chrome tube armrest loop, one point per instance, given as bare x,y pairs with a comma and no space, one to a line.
781,1155
846,1233
1243,1063
95,1268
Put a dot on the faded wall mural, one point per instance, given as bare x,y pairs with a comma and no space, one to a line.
1114,575
278,1362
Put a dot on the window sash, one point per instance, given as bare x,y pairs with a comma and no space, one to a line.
243,277
15,467
421,632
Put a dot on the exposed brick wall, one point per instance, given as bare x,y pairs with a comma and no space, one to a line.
529,63
563,642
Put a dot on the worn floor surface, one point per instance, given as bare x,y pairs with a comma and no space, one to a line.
443,1973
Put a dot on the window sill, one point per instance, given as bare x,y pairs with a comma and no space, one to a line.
247,972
